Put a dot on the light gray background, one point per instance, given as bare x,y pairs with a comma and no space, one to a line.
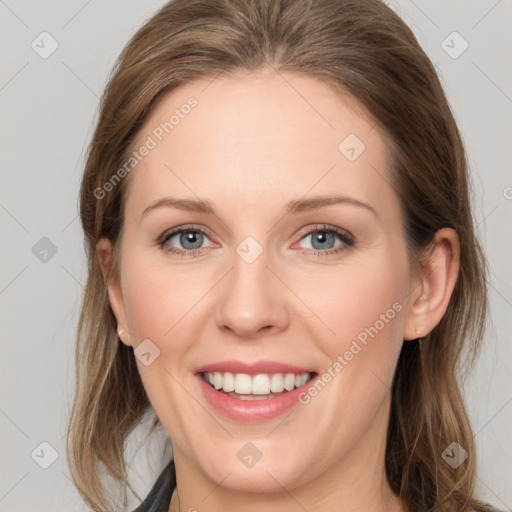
48,108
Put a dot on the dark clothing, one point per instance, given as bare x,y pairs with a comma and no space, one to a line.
159,497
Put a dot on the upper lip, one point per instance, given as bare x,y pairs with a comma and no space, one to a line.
252,368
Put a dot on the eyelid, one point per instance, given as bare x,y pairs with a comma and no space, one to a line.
186,227
312,228
346,237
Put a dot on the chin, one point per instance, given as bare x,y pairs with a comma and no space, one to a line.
268,474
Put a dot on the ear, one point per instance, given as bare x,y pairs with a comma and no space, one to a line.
430,293
104,253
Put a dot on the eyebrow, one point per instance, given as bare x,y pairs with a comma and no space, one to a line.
296,206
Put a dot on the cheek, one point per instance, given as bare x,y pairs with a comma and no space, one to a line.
337,304
161,299
363,305
161,303
357,302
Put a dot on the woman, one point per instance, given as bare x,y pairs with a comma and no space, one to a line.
303,351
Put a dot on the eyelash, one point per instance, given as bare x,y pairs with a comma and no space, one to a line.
323,228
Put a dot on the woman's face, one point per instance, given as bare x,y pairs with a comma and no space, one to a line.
270,280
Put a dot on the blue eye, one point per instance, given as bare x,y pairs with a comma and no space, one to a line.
191,239
323,237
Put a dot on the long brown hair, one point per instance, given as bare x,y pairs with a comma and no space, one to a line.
359,46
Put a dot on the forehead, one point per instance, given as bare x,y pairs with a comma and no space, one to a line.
264,136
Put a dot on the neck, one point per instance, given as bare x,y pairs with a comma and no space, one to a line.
381,499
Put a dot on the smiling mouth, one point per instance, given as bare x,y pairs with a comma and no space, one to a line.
256,387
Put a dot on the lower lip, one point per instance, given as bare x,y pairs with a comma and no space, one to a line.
252,410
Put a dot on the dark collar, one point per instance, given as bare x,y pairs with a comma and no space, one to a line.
159,497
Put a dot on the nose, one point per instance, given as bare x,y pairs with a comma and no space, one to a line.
252,301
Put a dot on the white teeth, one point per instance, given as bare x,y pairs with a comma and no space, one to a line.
289,382
217,380
243,384
261,384
277,383
228,382
300,380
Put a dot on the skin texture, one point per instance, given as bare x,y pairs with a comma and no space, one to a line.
251,145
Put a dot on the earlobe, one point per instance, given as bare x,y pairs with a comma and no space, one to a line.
430,298
117,305
104,254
